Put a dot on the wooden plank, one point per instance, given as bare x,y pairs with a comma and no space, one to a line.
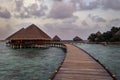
78,65
82,77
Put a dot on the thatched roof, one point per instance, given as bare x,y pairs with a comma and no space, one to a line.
14,34
56,38
31,32
77,39
98,33
117,33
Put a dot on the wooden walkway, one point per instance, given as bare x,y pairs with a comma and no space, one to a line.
78,65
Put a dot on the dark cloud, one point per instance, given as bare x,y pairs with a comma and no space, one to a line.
5,14
61,10
96,18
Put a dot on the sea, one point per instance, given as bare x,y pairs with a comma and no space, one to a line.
30,63
41,63
108,55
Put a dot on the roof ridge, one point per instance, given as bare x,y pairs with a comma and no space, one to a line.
31,32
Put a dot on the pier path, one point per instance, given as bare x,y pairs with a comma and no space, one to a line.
78,65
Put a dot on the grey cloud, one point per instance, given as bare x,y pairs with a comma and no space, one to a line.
82,5
6,31
84,23
71,19
57,0
96,18
61,10
90,6
5,14
103,4
20,9
22,15
69,30
19,4
34,10
114,22
64,30
111,4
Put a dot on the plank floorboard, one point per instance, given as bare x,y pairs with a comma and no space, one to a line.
78,65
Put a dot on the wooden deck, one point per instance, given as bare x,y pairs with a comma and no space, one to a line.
78,65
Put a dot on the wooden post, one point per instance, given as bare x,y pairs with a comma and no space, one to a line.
20,46
13,46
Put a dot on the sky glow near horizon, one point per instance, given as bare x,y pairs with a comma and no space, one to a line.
65,18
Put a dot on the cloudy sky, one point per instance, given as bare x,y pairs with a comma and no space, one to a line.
65,18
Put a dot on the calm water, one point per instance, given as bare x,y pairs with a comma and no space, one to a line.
107,55
28,64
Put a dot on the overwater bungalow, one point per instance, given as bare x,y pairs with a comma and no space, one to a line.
31,36
98,33
56,39
117,33
77,39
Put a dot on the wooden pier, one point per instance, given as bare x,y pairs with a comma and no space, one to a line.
78,65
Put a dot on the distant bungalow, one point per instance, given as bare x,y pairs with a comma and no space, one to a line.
117,33
28,37
98,33
56,38
77,39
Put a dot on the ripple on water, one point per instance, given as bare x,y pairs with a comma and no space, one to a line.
29,64
107,55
